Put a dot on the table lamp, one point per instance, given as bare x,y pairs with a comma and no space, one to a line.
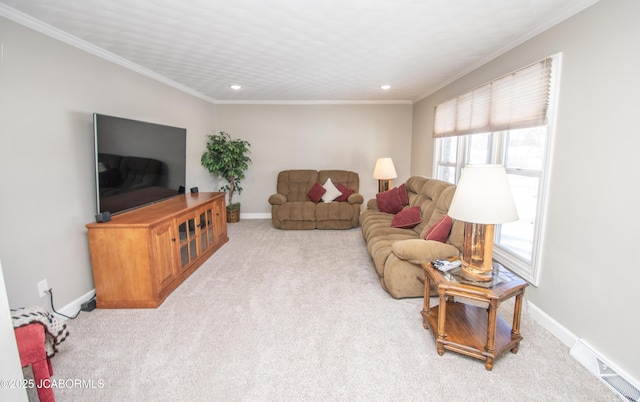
482,199
384,172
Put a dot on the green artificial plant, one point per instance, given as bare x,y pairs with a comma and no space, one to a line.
227,158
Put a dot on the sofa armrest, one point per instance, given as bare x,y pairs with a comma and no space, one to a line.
418,251
355,198
277,199
372,204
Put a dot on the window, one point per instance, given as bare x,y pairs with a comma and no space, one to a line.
469,130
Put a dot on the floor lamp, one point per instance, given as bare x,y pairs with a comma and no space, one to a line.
384,172
482,199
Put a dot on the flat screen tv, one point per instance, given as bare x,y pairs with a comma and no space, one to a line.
137,163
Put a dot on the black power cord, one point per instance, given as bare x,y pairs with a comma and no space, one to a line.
50,291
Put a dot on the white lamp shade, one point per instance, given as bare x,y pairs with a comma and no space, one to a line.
384,169
483,196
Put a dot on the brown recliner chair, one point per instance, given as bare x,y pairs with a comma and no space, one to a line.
291,208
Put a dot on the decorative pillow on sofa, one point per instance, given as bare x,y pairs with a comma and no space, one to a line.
331,191
440,230
316,193
402,192
389,201
346,192
407,218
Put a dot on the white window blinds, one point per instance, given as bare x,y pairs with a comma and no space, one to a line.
517,100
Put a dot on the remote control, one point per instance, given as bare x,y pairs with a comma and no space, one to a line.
445,265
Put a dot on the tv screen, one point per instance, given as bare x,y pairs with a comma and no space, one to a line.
137,163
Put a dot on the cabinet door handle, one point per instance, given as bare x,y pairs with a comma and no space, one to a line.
173,240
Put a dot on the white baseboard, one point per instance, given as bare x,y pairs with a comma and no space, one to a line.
72,308
256,216
573,342
564,335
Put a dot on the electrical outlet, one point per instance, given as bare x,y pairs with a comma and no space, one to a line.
43,287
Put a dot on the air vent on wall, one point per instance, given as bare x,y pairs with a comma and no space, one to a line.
616,382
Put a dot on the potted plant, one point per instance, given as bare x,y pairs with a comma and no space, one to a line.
227,158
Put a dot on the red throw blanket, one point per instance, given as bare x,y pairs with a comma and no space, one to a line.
55,330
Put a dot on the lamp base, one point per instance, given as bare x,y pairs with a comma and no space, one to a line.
478,251
477,274
384,185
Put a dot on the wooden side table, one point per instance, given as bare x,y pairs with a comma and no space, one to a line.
468,329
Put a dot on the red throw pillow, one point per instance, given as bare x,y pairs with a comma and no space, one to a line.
407,218
440,230
402,191
346,192
389,201
316,193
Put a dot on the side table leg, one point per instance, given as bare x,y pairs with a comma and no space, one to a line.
442,315
491,334
426,307
517,315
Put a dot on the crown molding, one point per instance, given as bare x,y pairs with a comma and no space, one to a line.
74,41
55,33
313,102
567,12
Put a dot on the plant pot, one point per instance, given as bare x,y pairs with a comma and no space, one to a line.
233,215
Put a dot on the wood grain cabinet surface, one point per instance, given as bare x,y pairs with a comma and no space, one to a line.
141,256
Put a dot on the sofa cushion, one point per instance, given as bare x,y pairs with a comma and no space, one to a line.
316,193
389,201
297,211
345,192
440,230
331,191
407,218
345,177
402,192
295,184
334,211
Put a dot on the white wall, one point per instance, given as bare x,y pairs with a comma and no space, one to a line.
593,211
10,369
49,91
308,136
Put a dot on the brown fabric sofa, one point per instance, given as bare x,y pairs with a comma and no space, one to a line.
398,254
291,208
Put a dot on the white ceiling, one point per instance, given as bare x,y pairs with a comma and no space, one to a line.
296,50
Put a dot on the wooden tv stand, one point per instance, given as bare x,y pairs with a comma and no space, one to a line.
141,256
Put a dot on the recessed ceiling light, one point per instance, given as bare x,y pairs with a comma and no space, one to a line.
235,87
385,87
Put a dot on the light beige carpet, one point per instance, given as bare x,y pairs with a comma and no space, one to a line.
297,315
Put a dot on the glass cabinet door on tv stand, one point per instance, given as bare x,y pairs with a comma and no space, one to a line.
205,223
188,239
